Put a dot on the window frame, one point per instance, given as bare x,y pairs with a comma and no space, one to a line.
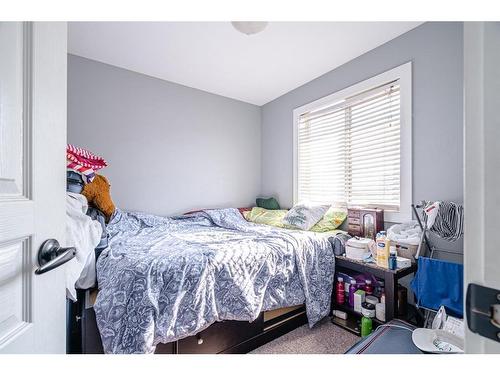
402,73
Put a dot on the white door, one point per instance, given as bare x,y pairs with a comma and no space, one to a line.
482,175
32,184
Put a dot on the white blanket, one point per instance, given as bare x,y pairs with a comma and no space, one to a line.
84,234
407,233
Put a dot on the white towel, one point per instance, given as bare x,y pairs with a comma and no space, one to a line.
408,233
84,234
432,210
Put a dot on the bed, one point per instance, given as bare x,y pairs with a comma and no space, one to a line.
173,284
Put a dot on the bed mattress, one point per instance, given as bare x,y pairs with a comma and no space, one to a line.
162,279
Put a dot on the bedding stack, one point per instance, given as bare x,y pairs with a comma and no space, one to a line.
85,225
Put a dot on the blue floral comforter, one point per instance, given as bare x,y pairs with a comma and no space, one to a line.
162,279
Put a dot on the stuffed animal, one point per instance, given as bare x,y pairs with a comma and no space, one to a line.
98,194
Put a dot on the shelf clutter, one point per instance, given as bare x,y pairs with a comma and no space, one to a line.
369,291
366,291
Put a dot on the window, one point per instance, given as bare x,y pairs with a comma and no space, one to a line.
354,147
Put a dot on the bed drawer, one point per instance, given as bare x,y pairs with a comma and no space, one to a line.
219,337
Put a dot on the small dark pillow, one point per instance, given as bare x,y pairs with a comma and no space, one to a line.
267,203
338,243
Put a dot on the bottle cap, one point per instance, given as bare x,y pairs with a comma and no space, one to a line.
368,281
368,310
353,282
368,306
340,279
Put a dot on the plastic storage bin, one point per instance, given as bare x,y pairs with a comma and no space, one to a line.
407,251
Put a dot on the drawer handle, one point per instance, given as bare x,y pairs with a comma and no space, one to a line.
200,340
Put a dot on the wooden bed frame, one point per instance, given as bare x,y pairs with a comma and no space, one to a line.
221,337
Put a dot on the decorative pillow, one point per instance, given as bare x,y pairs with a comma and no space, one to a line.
260,215
268,203
303,216
332,219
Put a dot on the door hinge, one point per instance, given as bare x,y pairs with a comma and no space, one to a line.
482,306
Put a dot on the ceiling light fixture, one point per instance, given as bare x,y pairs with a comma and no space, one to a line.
249,27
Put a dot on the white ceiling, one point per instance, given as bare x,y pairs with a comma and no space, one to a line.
214,57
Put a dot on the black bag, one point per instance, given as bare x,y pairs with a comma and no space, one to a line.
74,182
338,243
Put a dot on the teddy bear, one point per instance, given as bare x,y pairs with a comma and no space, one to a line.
98,194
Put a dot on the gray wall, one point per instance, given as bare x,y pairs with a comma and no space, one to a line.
170,148
436,51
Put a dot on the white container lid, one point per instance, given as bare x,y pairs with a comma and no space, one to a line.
359,242
371,299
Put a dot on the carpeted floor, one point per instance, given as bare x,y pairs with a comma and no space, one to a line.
324,338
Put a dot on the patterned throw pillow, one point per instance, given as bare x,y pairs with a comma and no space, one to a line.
332,219
303,216
260,215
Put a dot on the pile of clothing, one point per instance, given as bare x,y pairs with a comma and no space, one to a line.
85,225
446,219
83,162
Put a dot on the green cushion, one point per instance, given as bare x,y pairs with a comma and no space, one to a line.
267,203
260,215
332,219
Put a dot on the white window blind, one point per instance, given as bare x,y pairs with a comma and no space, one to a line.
349,151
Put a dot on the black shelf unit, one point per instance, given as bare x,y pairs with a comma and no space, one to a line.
351,324
390,277
350,311
353,321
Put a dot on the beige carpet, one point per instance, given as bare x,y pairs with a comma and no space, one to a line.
324,338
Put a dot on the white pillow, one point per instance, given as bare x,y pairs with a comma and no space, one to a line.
303,216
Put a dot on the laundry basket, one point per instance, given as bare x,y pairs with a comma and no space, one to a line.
406,236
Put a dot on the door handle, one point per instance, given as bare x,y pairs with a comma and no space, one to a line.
51,255
482,306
